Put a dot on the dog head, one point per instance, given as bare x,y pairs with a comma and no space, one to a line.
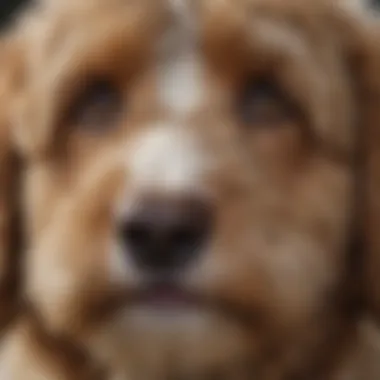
192,190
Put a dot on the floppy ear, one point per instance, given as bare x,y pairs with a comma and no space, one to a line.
371,176
359,33
365,62
10,221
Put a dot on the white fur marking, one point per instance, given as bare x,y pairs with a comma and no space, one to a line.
179,6
180,82
166,158
180,85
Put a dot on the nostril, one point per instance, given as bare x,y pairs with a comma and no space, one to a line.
136,235
186,238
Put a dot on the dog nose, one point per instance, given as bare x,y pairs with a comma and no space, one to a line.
165,235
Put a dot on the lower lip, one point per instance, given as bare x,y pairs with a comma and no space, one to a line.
165,296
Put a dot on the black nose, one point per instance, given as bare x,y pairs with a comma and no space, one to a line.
165,234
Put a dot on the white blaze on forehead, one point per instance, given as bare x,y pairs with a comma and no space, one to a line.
180,6
166,158
179,77
180,84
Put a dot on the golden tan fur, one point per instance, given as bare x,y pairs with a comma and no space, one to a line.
282,286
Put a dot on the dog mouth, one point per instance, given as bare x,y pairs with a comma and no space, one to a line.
166,295
160,295
170,296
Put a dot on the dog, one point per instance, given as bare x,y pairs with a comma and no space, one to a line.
199,191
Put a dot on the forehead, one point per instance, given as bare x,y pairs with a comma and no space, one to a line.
184,43
177,20
236,36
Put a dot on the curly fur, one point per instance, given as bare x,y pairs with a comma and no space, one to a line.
288,287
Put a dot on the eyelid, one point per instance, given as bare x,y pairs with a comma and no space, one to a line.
263,89
97,97
264,100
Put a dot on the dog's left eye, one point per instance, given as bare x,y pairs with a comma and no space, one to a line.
98,107
263,104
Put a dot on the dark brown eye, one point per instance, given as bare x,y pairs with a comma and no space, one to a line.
98,108
263,103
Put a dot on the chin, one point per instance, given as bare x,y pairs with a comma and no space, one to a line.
150,341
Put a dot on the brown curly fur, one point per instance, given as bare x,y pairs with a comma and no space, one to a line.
289,285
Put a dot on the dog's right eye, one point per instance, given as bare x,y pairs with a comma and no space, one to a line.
263,103
98,107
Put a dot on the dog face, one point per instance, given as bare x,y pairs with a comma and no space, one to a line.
190,186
